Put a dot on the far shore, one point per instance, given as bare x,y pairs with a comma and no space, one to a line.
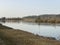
45,18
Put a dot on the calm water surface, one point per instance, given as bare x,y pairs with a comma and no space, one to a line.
42,29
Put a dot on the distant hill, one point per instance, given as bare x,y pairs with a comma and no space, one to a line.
30,17
44,15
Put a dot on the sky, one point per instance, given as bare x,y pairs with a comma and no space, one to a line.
21,8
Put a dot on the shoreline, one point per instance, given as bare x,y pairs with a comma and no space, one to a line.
12,36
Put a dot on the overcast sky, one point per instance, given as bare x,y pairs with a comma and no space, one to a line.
20,8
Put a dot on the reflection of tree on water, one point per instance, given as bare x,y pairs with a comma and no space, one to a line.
3,19
39,27
54,25
58,37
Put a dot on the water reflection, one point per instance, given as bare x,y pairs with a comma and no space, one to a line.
11,21
43,29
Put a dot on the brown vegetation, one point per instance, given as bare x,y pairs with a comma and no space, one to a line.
47,20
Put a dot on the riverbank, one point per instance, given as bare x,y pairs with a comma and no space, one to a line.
10,36
45,18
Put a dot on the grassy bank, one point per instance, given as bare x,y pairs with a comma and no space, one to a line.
9,36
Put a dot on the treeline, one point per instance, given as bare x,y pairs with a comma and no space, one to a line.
45,18
48,19
3,19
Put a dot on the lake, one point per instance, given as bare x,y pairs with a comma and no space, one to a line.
47,30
